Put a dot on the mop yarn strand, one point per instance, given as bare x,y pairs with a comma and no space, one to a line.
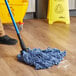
42,59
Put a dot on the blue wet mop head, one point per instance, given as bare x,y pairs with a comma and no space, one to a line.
42,59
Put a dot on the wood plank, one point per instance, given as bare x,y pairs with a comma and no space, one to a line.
5,70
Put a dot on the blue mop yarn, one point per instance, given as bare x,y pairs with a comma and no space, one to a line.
42,59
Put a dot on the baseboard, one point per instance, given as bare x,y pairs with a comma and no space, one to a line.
29,16
32,16
73,12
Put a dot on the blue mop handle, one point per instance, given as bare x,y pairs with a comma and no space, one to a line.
16,28
13,20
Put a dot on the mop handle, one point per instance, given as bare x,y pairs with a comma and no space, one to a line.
13,20
16,28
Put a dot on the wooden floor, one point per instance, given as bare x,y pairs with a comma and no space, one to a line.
37,33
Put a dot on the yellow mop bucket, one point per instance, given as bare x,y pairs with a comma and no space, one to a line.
58,11
18,8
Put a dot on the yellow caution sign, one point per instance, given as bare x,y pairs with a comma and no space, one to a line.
58,11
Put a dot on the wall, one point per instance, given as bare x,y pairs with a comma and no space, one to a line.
72,5
42,5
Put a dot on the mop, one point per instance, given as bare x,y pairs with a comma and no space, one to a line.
40,59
